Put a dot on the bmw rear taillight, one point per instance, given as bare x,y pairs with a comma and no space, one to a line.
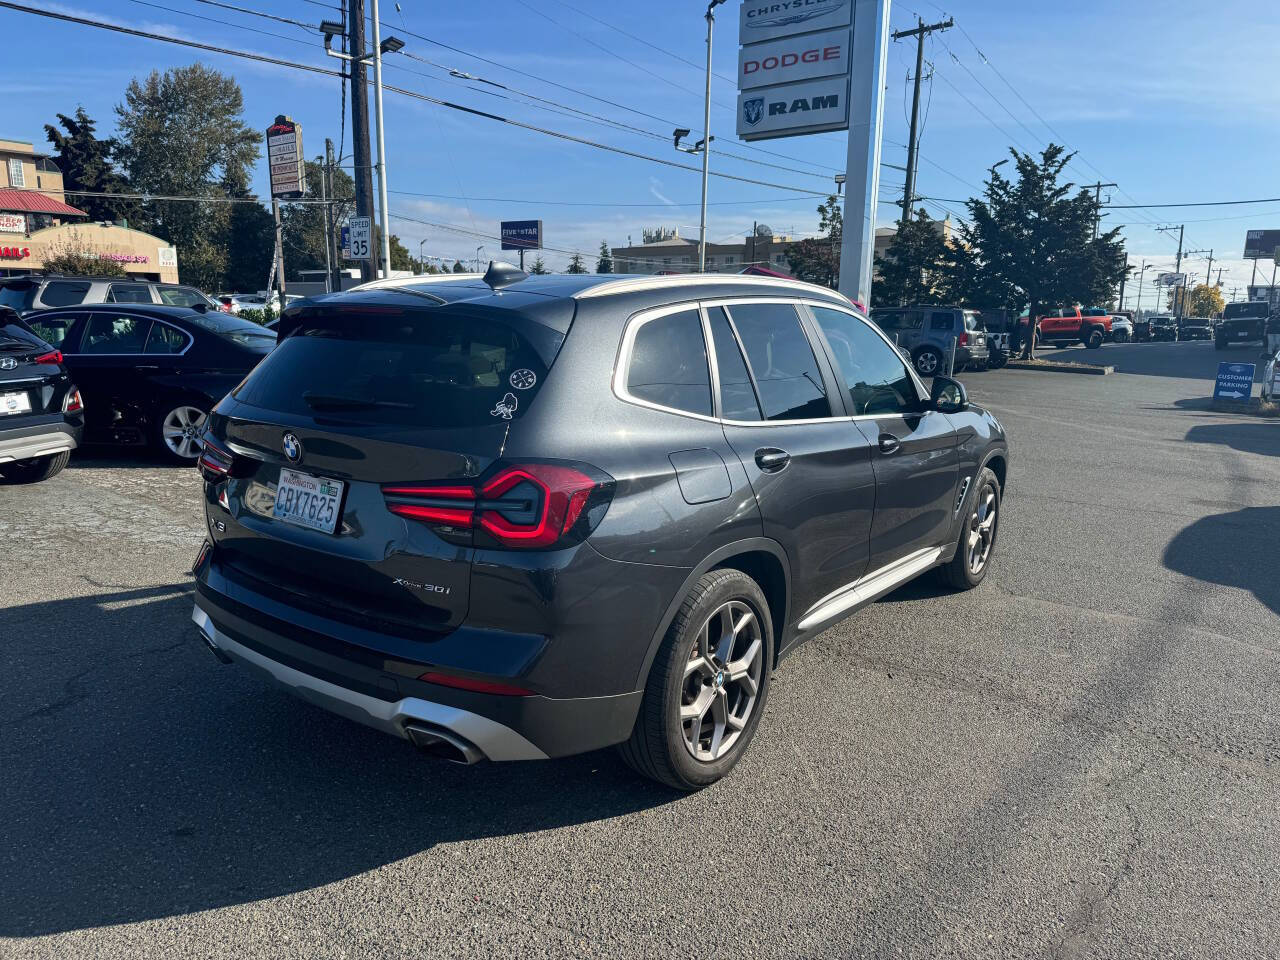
72,402
52,357
524,505
215,460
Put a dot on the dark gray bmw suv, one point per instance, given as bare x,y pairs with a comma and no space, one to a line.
524,517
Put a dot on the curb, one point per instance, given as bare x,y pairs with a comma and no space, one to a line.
1253,407
1049,367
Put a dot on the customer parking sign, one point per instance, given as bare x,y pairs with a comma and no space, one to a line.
1235,381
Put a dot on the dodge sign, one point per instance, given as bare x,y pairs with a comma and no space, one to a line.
794,58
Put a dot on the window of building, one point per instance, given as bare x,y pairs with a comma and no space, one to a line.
782,361
668,364
874,374
16,178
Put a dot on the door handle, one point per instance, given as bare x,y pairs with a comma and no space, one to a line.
771,459
889,444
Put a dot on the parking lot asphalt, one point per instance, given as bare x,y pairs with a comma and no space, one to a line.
1081,758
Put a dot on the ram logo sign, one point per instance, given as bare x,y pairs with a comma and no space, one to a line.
794,108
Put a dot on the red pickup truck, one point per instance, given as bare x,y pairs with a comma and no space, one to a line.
1061,328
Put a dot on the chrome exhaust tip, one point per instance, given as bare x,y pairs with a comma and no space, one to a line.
443,744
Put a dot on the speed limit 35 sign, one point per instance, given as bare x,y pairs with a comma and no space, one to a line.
359,229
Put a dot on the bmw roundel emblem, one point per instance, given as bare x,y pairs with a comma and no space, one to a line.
292,447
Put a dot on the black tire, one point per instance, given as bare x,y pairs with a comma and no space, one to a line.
1094,340
34,469
657,747
959,573
998,359
927,361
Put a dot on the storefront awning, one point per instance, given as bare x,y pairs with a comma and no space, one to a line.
28,201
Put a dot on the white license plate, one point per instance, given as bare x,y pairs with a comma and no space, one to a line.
14,403
307,501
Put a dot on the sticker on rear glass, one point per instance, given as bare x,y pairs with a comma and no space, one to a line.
505,407
523,379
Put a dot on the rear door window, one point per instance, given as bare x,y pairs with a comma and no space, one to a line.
64,293
181,296
737,395
668,363
418,370
782,362
113,333
165,339
941,320
129,293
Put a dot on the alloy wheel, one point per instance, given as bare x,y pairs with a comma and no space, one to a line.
721,681
927,363
982,529
181,431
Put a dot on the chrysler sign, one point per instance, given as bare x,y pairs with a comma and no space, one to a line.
794,58
761,20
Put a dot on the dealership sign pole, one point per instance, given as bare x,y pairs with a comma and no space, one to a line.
815,66
288,182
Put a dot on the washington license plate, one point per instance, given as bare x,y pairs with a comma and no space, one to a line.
307,501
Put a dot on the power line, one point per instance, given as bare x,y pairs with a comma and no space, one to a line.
262,58
1200,203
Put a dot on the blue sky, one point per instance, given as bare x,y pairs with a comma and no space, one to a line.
1173,101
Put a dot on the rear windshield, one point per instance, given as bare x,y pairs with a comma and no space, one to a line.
429,371
1237,311
229,326
18,297
972,321
16,336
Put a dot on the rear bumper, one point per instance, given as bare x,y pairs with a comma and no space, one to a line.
389,697
37,440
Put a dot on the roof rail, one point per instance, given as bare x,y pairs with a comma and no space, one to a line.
385,283
634,284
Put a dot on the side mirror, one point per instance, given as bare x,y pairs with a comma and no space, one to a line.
948,396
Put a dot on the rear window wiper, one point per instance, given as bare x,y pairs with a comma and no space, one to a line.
322,401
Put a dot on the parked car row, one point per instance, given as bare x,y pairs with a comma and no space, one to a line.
132,374
25,294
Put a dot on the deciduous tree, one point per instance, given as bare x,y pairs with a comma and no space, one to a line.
912,269
818,260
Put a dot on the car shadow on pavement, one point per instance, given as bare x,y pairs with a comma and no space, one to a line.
99,455
142,779
1261,437
1234,549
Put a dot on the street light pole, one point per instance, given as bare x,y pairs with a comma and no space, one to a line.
478,249
382,143
422,263
706,142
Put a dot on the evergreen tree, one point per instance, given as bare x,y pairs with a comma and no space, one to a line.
1030,243
576,265
458,267
86,164
538,266
604,263
911,271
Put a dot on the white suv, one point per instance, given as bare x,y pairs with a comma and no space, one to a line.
1121,329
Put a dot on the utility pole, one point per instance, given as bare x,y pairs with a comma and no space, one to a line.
1097,202
335,278
920,32
360,149
1178,267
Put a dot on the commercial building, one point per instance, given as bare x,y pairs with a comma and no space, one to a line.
673,253
36,223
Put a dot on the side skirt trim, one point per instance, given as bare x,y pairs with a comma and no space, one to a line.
868,588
